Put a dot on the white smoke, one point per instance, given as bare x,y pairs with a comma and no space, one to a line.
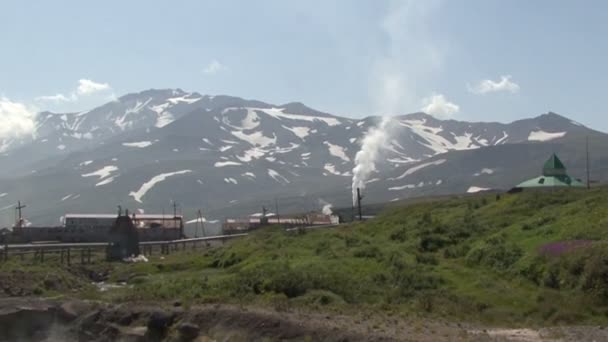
398,76
406,68
371,147
327,209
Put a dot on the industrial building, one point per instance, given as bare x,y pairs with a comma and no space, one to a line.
96,228
241,225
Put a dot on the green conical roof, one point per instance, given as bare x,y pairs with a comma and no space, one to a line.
554,167
554,175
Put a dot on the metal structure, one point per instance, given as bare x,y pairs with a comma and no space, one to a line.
19,207
359,198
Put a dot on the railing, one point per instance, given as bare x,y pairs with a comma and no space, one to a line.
65,250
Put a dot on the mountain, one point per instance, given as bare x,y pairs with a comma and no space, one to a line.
229,156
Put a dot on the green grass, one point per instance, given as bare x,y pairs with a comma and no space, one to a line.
472,259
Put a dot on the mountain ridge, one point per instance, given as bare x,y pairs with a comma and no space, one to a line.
226,153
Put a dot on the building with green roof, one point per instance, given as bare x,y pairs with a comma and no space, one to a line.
554,175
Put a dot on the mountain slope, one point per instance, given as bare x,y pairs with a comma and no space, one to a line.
230,156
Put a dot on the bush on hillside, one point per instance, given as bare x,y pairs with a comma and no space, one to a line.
494,252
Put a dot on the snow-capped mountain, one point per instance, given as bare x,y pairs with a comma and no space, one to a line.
229,156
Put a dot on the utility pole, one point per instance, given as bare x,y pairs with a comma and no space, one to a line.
196,225
20,217
588,171
174,209
359,198
200,218
276,205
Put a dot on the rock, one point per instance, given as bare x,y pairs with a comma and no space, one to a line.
134,334
188,331
158,324
71,310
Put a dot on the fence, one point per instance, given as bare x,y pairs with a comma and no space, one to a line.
67,251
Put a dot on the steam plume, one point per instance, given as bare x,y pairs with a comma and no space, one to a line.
365,160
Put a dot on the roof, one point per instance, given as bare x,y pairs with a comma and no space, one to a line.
554,167
113,216
551,181
553,175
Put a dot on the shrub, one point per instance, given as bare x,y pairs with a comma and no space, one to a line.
456,251
399,235
368,252
412,280
494,253
424,258
432,242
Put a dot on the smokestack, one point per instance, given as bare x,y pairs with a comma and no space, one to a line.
374,141
359,204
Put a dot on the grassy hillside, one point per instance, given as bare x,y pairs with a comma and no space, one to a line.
530,258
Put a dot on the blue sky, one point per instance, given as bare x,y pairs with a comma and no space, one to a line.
479,60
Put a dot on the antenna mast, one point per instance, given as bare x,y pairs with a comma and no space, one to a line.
20,217
276,204
588,171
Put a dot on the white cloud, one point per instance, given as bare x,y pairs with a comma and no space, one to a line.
489,86
87,87
58,98
412,57
437,105
16,119
214,67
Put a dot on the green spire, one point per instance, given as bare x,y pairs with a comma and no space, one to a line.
554,167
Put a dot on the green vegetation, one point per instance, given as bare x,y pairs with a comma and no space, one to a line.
475,259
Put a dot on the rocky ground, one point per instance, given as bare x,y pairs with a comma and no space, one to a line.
30,319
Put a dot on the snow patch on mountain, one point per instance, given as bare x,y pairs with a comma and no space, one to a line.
106,181
300,132
230,180
434,140
164,119
277,176
337,151
137,195
256,138
252,153
544,136
176,100
102,173
140,144
420,167
279,113
474,189
331,169
502,139
484,171
248,174
226,163
225,148
402,187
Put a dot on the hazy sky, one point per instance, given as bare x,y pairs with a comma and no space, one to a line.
483,60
